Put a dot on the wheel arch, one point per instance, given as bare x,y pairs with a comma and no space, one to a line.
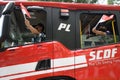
57,78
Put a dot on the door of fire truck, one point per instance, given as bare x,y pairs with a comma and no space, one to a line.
21,58
102,52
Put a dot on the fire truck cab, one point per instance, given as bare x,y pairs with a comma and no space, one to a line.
70,51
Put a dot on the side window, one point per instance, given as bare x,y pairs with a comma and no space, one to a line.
98,30
18,32
14,37
38,18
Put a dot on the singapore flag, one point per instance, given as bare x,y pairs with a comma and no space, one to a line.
105,18
24,11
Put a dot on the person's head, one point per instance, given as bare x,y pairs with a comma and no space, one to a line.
102,27
39,27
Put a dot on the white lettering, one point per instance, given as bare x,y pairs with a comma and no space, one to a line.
107,53
64,26
98,56
103,54
92,54
68,28
114,51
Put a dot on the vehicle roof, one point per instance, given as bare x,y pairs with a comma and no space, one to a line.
68,5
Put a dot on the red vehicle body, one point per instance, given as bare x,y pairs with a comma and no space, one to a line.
66,54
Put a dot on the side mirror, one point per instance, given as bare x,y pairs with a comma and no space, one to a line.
5,20
8,8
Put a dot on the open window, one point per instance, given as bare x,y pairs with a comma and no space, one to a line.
38,16
88,38
18,33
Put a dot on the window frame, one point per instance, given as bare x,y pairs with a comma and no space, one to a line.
78,24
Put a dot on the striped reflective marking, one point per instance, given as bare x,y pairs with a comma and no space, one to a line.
12,72
69,61
17,69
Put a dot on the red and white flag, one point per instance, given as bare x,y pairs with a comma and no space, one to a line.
106,18
24,11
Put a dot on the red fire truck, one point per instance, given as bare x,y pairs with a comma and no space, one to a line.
70,51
